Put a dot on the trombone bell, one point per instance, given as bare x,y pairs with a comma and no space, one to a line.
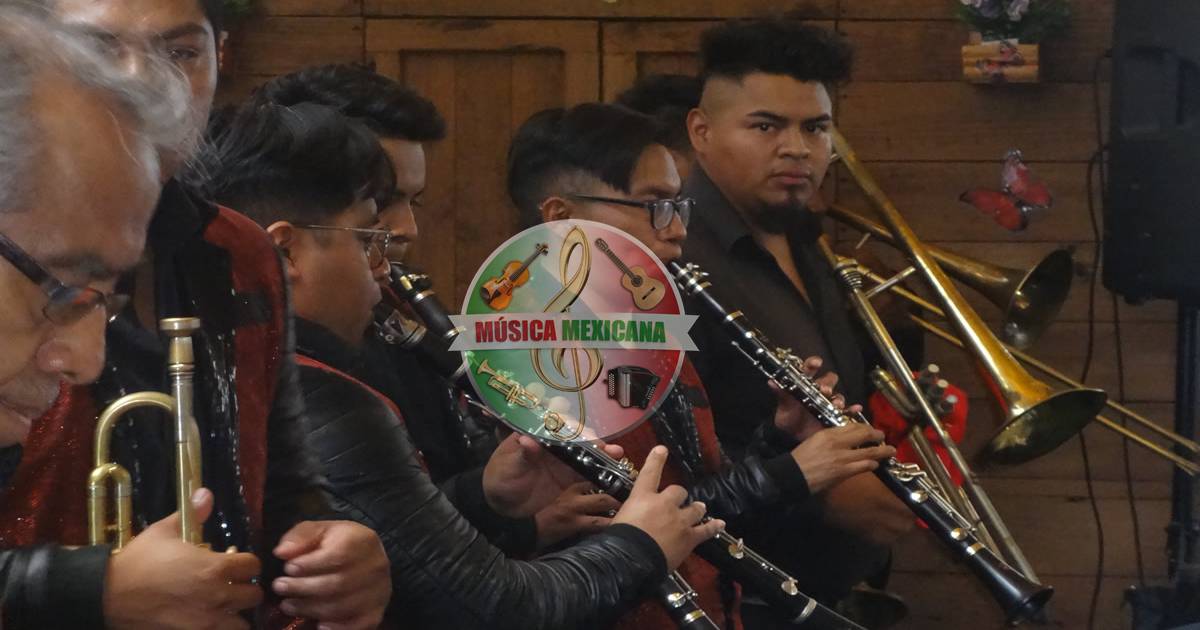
1035,430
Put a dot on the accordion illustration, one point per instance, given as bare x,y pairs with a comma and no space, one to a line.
632,386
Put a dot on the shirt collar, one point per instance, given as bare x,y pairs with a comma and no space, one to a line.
728,227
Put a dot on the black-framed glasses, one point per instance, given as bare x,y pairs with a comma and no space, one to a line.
65,305
375,242
661,210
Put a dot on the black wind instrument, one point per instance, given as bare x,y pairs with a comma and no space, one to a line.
727,553
432,337
1021,598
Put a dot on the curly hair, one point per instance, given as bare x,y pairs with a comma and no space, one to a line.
737,48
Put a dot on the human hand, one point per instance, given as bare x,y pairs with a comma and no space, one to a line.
831,455
521,477
159,581
578,510
662,514
335,572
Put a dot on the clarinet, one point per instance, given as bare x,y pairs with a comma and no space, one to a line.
727,553
1022,599
432,337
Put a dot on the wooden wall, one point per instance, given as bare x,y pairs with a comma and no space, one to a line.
926,135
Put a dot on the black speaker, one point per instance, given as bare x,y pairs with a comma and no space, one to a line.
1152,209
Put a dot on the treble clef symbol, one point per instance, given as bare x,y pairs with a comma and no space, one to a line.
572,288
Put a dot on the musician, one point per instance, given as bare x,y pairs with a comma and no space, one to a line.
667,98
616,158
762,143
311,177
79,178
212,263
453,445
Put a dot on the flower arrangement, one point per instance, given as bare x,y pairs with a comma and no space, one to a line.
1028,21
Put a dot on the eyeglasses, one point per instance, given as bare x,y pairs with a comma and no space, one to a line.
375,242
661,210
66,305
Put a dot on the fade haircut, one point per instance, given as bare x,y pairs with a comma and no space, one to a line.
387,107
560,151
32,43
667,98
806,53
302,164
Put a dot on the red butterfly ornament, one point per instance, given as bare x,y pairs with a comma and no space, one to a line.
1021,195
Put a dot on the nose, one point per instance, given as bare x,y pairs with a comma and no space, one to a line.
132,58
75,352
675,231
401,221
794,145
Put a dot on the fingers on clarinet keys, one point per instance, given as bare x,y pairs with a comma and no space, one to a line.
665,515
832,455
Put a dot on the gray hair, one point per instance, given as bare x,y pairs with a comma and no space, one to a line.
31,43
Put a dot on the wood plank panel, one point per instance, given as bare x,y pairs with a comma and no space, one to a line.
678,9
895,122
578,42
1057,534
312,7
928,195
483,94
1149,359
938,10
634,49
929,50
278,45
434,76
952,602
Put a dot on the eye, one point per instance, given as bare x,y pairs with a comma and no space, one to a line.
182,53
764,127
816,127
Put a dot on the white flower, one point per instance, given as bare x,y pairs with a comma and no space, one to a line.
1017,10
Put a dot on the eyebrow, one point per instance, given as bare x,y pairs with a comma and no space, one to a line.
771,116
184,30
818,119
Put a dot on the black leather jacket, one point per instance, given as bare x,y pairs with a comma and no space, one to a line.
444,572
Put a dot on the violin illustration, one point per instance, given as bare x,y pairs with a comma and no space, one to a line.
498,291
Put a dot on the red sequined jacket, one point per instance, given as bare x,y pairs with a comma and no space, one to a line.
219,266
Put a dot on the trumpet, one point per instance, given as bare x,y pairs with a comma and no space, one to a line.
109,474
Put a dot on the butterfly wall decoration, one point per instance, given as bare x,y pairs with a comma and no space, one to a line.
1021,195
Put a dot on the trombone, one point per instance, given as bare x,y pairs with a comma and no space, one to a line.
109,474
1040,419
1029,301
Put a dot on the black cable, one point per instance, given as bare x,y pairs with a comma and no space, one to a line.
1087,368
1117,337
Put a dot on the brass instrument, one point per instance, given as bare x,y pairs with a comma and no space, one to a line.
1030,299
1039,418
997,452
515,394
935,502
180,369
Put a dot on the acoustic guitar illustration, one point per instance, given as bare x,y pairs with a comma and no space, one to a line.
497,292
647,292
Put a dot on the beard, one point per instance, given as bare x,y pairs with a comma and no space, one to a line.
792,215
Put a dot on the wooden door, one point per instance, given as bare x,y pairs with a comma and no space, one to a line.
486,77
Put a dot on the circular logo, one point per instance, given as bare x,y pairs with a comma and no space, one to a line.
573,330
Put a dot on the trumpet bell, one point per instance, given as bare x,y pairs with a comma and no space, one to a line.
1040,428
1037,298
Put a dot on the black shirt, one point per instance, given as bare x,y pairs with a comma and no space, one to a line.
826,561
747,278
